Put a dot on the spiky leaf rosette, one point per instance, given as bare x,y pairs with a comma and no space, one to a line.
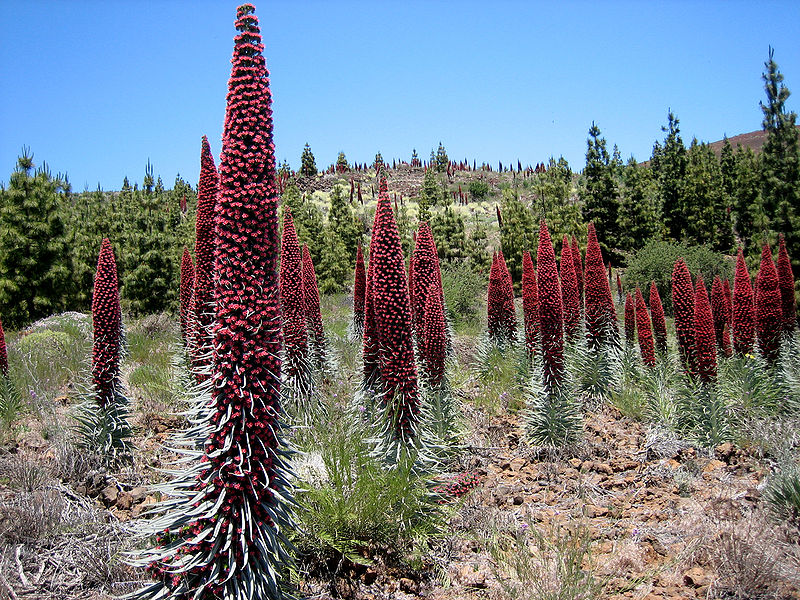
601,317
705,348
643,328
659,322
530,304
426,277
393,317
296,359
3,352
202,305
186,290
577,260
509,315
683,307
359,292
551,311
316,331
224,536
629,320
569,291
435,339
743,315
718,309
769,313
786,285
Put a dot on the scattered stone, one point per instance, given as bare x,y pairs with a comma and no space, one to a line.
409,586
109,494
696,577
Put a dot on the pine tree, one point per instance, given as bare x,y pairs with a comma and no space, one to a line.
442,161
428,194
639,218
344,223
516,232
448,230
555,201
477,247
746,208
669,167
35,266
600,193
342,166
703,192
308,166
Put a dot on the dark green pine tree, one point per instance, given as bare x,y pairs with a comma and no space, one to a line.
747,210
88,219
477,247
35,267
639,218
334,267
341,163
448,233
442,161
727,168
308,221
780,162
378,163
429,194
600,193
555,200
308,166
707,219
669,165
343,221
517,233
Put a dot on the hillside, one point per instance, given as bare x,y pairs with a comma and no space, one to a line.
754,140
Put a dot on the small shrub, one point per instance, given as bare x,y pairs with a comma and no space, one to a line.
479,190
783,495
463,290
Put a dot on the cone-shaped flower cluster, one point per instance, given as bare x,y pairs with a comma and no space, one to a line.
683,305
371,342
3,352
769,314
226,539
743,316
186,290
601,318
705,349
578,262
316,331
107,324
569,291
551,310
629,320
509,314
501,317
530,304
643,328
425,276
719,309
434,339
786,284
659,323
201,315
359,293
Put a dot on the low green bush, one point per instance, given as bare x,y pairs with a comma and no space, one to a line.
463,293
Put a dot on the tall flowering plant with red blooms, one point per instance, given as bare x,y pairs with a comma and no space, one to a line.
718,309
769,315
726,286
435,340
629,320
619,287
569,292
659,322
201,313
223,531
425,276
186,290
359,294
601,317
496,303
743,316
577,260
530,304
786,285
705,349
371,369
509,314
551,310
3,353
683,306
643,328
316,330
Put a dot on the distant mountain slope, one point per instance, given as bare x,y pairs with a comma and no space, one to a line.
754,140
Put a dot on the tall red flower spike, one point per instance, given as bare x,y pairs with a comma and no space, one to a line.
569,291
293,305
718,309
683,294
530,303
629,320
370,353
743,317
426,277
509,314
578,261
227,542
186,290
726,286
659,323
786,285
393,318
601,317
705,348
643,328
316,331
551,309
619,287
410,277
769,314
107,324
201,314
359,291
3,352
435,339
495,301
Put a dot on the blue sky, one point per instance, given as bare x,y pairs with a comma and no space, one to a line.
98,88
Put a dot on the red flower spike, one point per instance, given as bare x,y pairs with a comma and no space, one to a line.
293,306
769,314
434,338
425,276
601,317
629,320
569,290
551,309
726,286
683,295
719,309
359,293
743,311
786,285
186,290
3,352
107,325
201,313
530,303
705,348
578,263
316,331
643,328
657,316
393,319
509,314
495,300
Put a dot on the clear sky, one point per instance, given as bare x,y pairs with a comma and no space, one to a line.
98,88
